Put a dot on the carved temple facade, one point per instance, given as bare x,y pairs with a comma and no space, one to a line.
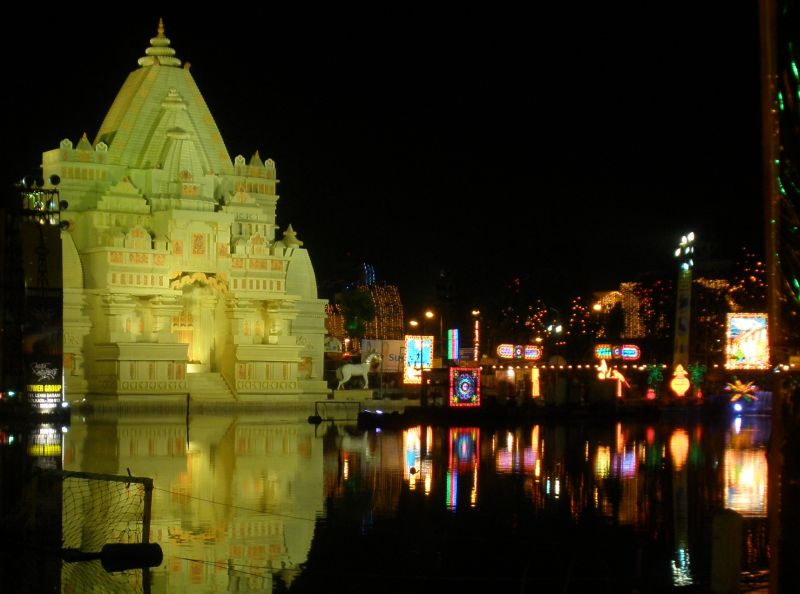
172,268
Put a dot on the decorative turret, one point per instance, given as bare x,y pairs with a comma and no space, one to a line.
290,238
159,51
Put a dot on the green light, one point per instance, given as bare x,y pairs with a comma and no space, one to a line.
780,100
794,69
795,283
781,189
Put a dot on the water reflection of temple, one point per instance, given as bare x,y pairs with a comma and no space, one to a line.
235,502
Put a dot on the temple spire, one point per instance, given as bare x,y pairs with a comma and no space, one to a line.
159,51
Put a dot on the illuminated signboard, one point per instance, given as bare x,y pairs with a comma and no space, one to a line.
419,356
747,343
519,351
465,386
452,344
626,352
44,382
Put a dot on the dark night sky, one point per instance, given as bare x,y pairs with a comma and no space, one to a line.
569,146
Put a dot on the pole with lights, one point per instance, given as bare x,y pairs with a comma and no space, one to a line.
476,335
683,307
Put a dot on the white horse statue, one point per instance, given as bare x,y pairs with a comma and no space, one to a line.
348,370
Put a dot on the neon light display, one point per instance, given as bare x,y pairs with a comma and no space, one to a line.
520,351
533,352
419,356
747,344
452,344
626,352
602,351
630,352
465,386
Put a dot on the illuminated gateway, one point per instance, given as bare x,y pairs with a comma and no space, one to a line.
174,281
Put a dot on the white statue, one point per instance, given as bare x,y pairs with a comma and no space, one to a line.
348,370
332,344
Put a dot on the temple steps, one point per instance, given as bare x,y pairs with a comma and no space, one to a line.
209,386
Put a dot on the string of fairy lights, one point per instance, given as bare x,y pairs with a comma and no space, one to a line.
788,177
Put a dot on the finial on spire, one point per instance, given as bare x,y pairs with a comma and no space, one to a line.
159,52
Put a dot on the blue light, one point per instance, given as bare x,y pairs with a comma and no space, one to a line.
737,407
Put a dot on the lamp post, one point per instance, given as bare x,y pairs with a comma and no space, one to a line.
430,315
554,330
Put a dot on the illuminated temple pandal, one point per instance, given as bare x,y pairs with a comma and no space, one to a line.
174,281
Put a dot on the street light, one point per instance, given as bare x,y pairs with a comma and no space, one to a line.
430,315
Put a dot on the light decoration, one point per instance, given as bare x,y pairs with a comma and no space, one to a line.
747,343
419,356
535,386
517,351
388,321
680,382
602,351
626,352
740,390
606,373
631,307
452,344
476,335
683,307
465,386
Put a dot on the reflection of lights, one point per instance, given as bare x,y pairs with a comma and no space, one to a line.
346,468
737,425
537,471
602,462
412,459
745,487
452,490
557,488
473,494
679,448
681,570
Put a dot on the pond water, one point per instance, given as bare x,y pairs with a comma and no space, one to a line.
261,503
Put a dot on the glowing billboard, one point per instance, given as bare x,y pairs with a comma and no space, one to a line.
419,356
747,342
465,386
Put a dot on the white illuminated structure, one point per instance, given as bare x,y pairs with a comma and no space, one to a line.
174,280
